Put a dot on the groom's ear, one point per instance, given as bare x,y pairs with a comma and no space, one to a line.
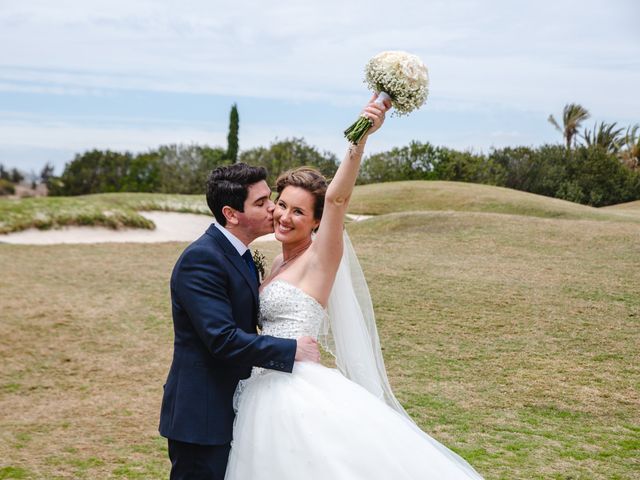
230,214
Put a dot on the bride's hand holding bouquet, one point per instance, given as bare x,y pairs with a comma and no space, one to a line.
374,114
398,79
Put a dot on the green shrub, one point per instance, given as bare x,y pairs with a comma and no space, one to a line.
169,169
6,187
417,161
470,167
287,154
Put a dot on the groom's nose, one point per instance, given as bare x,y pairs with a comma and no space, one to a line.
271,206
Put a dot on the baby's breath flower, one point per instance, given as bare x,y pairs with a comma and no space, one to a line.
402,76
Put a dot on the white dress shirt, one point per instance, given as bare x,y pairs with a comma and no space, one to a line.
235,241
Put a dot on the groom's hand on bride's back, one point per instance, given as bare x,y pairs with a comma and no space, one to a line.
307,350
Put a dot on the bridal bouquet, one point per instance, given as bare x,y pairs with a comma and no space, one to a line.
397,76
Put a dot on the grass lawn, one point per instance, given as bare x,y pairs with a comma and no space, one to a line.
513,339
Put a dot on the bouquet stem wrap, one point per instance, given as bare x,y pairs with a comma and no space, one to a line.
360,127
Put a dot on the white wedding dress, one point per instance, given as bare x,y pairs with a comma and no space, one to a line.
316,424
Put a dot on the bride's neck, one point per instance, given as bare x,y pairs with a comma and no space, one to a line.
293,250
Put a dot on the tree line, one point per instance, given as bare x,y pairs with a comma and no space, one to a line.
598,167
177,168
587,175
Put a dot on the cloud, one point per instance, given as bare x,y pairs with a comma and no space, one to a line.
500,51
126,134
495,66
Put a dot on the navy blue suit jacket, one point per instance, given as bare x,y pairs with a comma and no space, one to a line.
214,300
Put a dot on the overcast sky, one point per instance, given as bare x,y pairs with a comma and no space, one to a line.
132,75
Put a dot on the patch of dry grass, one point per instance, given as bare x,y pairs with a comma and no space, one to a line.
85,338
629,208
625,206
511,339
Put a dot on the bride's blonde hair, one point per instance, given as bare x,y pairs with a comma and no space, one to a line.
308,179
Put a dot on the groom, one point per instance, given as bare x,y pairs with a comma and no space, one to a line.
214,300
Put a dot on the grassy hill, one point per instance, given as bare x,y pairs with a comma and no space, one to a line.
114,210
510,338
118,210
382,198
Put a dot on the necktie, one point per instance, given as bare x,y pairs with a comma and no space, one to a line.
248,258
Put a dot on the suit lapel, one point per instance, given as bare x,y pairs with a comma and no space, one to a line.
235,259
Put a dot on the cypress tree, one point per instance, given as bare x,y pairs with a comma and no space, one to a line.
232,138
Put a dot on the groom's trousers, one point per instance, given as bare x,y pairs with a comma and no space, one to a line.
198,462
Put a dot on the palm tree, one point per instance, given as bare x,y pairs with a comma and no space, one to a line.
606,136
572,116
630,154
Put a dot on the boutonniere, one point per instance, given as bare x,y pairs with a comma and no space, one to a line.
259,259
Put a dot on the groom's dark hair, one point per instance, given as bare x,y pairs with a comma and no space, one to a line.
227,186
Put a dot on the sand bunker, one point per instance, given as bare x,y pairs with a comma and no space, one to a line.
170,227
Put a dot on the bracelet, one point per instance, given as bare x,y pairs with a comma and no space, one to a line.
353,150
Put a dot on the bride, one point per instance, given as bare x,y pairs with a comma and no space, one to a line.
319,422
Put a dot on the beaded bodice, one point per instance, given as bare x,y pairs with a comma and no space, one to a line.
288,312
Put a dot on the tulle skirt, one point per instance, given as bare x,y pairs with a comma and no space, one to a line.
316,424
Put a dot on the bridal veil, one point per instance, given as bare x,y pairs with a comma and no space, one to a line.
349,333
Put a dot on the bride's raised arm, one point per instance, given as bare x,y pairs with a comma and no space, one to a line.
327,247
